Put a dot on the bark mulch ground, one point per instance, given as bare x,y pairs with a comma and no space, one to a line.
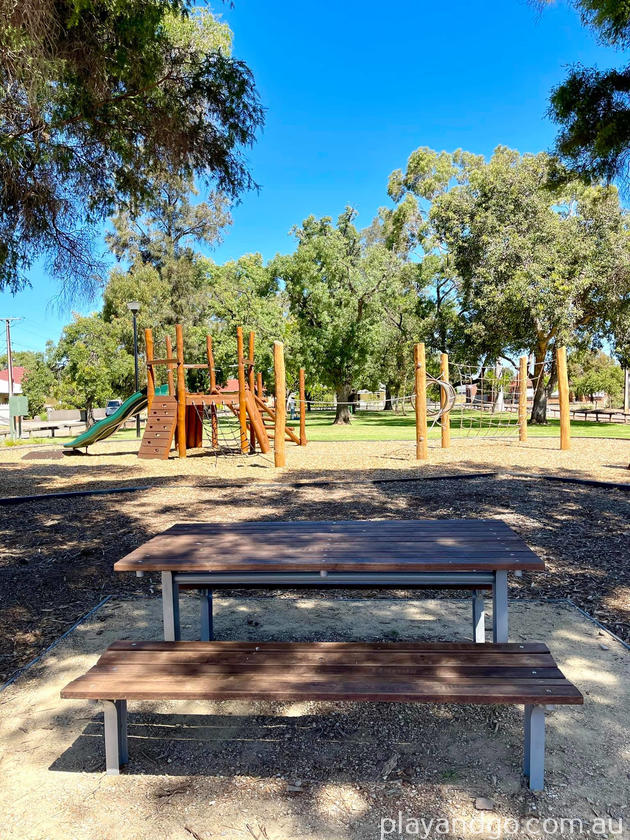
56,556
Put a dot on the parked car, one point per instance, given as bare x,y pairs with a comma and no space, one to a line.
112,407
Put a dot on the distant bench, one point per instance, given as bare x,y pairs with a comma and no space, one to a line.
402,672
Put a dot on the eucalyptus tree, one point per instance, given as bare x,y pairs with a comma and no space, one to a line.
335,285
98,95
537,266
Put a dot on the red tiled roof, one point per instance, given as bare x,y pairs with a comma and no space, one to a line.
230,385
18,374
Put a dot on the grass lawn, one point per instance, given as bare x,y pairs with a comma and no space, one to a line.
372,425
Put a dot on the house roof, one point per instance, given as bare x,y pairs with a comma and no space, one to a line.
18,374
230,385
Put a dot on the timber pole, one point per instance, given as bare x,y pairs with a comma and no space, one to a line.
251,382
169,355
148,347
280,407
302,409
214,420
181,392
242,408
421,401
522,399
563,394
445,419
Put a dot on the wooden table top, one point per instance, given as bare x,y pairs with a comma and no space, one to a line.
374,545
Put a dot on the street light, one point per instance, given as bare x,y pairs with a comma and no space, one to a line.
134,307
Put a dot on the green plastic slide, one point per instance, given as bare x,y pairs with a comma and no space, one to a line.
107,426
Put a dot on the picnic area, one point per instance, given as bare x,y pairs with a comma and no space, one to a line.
314,420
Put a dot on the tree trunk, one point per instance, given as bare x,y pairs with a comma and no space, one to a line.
309,400
342,415
539,404
388,399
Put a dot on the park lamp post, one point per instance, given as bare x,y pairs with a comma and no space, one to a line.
134,307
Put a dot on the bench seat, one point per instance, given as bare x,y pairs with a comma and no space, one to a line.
403,672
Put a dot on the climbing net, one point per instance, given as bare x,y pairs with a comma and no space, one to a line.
480,400
221,430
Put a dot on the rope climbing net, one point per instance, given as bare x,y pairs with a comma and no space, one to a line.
221,430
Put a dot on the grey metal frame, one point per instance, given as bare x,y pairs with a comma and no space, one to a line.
534,746
116,752
206,581
115,726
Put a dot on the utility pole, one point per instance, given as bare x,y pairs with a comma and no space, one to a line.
7,322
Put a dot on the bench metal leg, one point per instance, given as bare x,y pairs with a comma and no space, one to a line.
478,616
116,752
534,746
170,607
500,607
207,629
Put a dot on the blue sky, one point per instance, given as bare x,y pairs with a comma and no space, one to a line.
351,88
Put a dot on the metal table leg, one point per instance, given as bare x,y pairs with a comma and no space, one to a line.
478,616
170,608
207,628
534,746
115,718
500,607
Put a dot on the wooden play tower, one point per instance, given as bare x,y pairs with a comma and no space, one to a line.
179,415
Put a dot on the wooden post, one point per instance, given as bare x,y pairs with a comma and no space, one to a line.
259,385
242,408
421,401
445,419
148,346
251,383
563,393
280,406
214,420
302,409
211,371
181,392
522,399
169,355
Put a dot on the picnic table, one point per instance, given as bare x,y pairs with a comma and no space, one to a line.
473,554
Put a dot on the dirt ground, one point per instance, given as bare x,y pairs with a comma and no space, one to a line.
322,771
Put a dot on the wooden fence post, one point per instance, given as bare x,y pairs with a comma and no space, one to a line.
242,408
302,409
259,385
181,392
522,399
280,407
148,347
563,393
421,401
445,419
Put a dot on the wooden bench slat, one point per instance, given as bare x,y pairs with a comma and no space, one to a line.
359,673
309,647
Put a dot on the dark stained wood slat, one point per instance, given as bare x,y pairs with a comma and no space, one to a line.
474,648
345,546
284,671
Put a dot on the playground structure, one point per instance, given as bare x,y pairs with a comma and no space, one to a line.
490,404
176,415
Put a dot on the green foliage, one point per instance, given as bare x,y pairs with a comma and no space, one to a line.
92,364
335,287
99,95
38,383
593,106
594,372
